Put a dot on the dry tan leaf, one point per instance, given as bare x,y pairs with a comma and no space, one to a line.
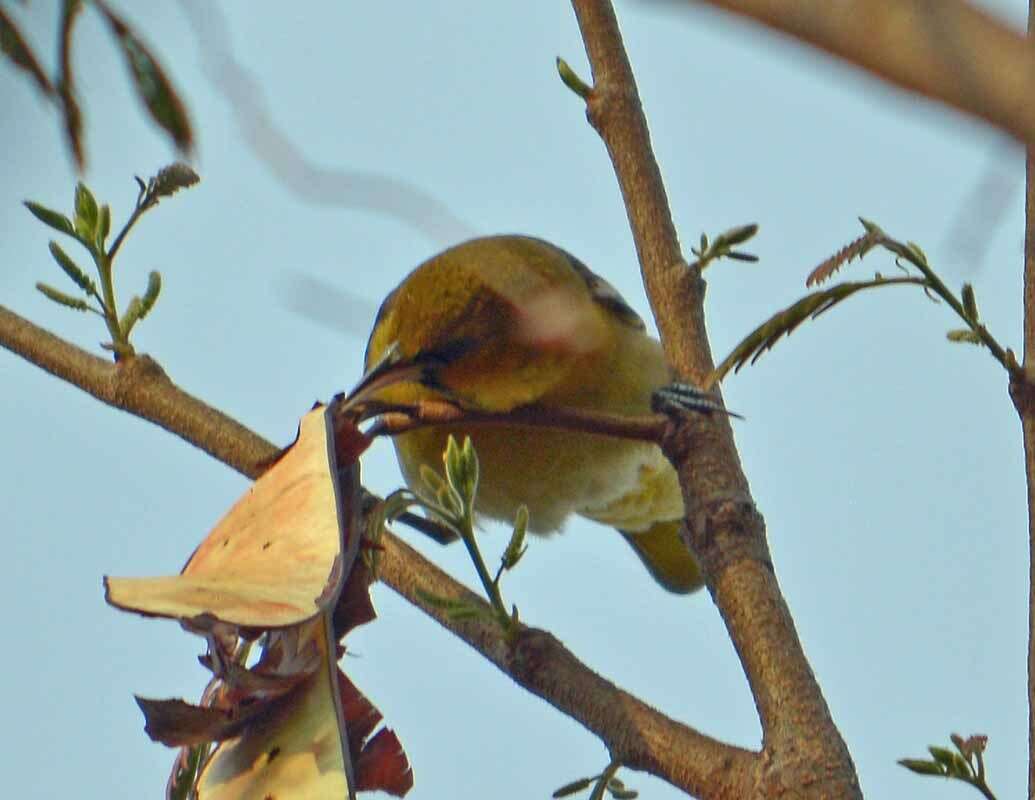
275,559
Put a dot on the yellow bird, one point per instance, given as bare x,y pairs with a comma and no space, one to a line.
506,321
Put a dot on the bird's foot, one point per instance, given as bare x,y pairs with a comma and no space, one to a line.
679,398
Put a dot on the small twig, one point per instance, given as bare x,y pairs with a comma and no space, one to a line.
430,528
394,419
138,212
605,778
937,285
492,588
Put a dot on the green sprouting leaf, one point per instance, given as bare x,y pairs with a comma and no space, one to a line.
869,226
942,755
969,302
132,315
462,470
103,226
140,307
960,768
14,46
85,212
785,322
453,460
623,794
75,303
737,235
72,270
918,254
154,287
723,246
572,80
150,81
451,503
573,788
922,766
431,478
963,336
58,222
516,546
472,470
450,507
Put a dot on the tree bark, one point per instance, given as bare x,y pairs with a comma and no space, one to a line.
947,50
803,753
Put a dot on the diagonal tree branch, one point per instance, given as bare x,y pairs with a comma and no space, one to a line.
949,50
140,386
635,733
803,753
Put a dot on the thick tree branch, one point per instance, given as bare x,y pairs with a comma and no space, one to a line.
635,733
140,386
947,50
803,754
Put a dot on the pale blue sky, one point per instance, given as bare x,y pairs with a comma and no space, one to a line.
887,462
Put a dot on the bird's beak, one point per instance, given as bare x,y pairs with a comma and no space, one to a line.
391,369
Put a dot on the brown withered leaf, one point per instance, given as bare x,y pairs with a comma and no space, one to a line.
260,683
177,723
236,698
361,717
299,750
292,725
276,705
354,607
378,762
856,249
73,117
14,46
150,81
383,766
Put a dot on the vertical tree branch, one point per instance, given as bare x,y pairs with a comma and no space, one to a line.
803,752
1021,390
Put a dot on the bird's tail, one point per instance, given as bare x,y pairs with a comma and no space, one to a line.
666,557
